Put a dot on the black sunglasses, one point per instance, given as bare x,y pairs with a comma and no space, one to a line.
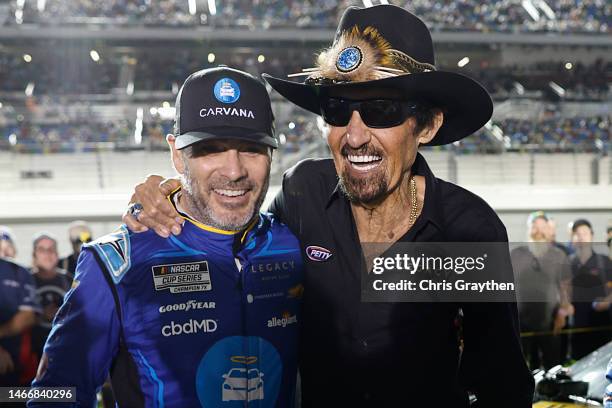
375,113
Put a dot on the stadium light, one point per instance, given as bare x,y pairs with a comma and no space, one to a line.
367,3
530,9
153,111
211,58
27,57
19,4
291,125
520,89
95,57
546,9
283,138
13,139
165,104
40,5
1,105
192,7
261,58
384,2
558,89
568,65
138,126
29,89
129,89
212,7
18,16
463,62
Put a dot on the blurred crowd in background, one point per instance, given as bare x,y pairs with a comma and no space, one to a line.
76,73
550,133
592,16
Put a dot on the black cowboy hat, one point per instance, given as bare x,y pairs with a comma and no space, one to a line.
387,50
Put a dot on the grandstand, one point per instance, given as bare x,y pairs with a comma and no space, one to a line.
590,16
87,90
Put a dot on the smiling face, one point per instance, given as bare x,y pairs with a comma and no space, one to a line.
45,255
225,181
371,163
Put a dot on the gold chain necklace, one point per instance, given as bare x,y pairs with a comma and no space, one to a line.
414,209
413,202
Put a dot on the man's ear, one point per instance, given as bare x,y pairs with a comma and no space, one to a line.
429,132
176,156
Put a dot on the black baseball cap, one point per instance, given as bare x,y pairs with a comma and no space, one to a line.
581,222
221,103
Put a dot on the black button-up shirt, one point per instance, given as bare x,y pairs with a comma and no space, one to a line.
354,353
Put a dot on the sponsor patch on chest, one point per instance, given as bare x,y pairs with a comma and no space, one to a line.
318,253
182,277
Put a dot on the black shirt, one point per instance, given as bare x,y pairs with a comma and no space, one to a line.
354,353
590,282
16,293
50,294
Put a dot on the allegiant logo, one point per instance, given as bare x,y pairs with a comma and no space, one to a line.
221,111
317,253
283,321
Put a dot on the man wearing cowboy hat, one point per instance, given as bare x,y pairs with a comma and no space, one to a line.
379,91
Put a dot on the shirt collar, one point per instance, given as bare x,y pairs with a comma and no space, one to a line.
431,209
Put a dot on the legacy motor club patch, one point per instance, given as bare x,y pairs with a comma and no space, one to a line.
182,277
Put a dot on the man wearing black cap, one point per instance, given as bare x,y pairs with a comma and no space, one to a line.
378,89
592,291
206,318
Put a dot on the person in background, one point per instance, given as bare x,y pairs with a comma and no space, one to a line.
7,243
552,236
79,234
52,283
544,291
18,308
592,279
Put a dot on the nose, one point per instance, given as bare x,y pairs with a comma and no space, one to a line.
357,133
233,167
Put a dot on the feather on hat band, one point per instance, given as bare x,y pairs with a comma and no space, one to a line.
359,56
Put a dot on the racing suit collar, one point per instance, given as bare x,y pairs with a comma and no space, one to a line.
174,200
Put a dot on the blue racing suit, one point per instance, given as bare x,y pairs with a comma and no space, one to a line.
206,318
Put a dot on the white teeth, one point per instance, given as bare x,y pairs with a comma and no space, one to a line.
363,159
231,193
364,167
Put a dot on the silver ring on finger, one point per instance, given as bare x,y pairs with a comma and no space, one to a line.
135,210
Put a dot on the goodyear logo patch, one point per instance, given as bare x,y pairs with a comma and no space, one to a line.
182,277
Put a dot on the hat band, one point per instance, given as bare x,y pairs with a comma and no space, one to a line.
358,56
